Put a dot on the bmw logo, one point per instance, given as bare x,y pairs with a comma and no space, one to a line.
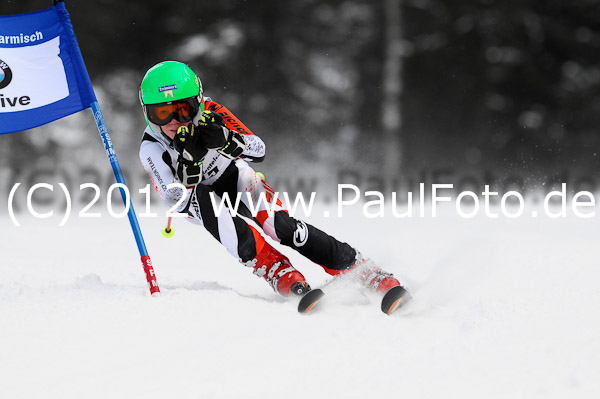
5,74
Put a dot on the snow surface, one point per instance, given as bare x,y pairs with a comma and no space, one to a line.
502,309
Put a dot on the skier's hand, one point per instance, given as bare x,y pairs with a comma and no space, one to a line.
188,144
215,135
189,173
234,147
212,130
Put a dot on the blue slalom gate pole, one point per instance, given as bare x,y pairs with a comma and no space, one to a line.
135,227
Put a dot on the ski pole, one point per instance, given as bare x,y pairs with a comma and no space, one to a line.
168,231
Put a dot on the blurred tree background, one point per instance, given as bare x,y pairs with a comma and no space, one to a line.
505,87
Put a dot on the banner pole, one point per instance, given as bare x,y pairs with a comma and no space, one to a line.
135,227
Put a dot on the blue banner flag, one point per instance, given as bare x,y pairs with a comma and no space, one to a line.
43,78
42,73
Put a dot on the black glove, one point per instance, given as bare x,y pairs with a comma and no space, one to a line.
212,131
188,172
191,155
234,147
188,144
215,135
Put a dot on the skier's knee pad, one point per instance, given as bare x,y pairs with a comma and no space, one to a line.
290,231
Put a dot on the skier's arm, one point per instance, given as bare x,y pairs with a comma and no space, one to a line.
154,160
255,147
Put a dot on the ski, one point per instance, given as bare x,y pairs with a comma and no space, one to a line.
391,301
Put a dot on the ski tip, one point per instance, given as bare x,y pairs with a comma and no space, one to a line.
309,300
393,299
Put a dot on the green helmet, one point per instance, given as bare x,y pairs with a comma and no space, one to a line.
170,90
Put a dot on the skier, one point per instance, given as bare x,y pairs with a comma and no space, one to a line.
200,143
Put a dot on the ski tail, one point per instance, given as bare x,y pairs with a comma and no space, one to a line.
310,300
393,299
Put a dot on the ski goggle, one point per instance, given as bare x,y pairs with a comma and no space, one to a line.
182,111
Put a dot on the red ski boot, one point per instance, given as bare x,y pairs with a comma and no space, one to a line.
274,267
394,295
372,276
379,280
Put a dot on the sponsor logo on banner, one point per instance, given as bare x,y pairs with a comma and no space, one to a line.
5,74
23,83
22,38
5,79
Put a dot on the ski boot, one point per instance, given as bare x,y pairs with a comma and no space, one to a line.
276,269
378,280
